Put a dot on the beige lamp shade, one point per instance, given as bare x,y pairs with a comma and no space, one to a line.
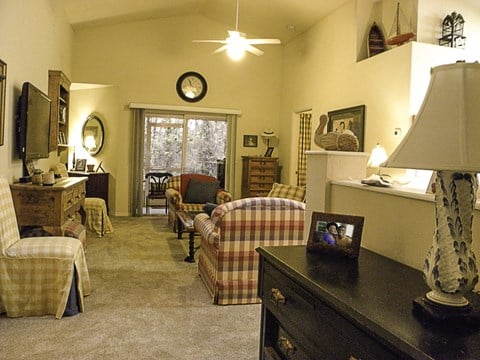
445,134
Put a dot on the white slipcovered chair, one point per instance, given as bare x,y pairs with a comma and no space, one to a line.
37,273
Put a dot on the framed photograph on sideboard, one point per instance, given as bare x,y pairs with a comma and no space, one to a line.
335,234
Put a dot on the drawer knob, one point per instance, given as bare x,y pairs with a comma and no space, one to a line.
286,346
277,297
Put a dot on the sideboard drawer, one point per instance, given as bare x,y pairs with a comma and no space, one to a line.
325,334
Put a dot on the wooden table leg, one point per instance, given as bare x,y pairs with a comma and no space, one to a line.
191,248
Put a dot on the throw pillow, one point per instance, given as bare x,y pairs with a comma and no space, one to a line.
201,192
287,192
209,207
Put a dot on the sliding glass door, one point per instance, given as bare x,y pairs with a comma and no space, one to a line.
185,143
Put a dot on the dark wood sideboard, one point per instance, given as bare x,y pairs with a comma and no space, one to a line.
315,306
97,184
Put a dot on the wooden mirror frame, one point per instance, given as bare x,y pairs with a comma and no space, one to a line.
93,127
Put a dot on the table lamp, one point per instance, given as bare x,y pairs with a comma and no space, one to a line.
444,138
377,157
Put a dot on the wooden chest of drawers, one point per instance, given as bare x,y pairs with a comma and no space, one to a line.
318,307
258,175
48,206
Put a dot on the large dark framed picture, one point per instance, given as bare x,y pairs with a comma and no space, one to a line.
3,88
349,120
335,234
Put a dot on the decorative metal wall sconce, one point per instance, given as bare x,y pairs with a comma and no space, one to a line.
452,31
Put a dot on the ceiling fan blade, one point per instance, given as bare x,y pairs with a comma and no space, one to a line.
210,41
263,41
220,49
253,50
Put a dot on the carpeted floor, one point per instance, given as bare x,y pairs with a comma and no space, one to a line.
146,303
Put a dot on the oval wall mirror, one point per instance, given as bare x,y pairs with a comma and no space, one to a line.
93,134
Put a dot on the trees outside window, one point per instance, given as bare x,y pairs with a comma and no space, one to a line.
184,143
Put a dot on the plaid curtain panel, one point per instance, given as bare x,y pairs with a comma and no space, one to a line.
304,140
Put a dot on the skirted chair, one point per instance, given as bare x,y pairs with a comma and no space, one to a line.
96,215
227,260
190,192
38,274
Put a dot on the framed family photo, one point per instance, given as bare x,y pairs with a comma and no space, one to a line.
349,120
335,234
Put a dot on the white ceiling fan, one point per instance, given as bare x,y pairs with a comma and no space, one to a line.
236,43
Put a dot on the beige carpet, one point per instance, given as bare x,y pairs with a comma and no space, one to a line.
147,303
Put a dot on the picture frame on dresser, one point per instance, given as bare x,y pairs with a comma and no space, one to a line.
268,152
335,234
80,164
349,120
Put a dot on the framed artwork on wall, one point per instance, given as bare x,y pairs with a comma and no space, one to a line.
250,140
335,234
349,120
3,87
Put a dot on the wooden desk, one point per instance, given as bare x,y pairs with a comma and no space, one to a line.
319,307
48,206
97,184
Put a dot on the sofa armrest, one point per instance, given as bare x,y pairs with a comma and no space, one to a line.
204,226
223,197
173,196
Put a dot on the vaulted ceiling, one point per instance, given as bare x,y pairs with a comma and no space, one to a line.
282,19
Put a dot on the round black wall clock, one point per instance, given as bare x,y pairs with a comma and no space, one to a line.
191,86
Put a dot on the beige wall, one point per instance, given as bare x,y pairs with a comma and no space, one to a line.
35,38
143,61
321,73
398,227
101,100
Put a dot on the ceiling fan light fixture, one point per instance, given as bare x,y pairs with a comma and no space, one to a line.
236,46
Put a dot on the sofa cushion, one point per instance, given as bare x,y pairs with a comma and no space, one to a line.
287,192
209,207
201,192
185,181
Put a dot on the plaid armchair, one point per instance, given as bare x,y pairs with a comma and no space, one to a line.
227,260
177,191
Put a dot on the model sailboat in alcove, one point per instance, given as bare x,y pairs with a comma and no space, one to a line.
396,37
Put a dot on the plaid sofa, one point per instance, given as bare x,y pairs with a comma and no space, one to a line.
176,189
227,261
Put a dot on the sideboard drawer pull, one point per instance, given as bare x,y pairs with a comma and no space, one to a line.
277,297
286,346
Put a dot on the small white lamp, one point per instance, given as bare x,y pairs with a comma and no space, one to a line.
444,138
377,157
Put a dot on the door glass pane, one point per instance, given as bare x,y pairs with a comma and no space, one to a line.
206,143
163,144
